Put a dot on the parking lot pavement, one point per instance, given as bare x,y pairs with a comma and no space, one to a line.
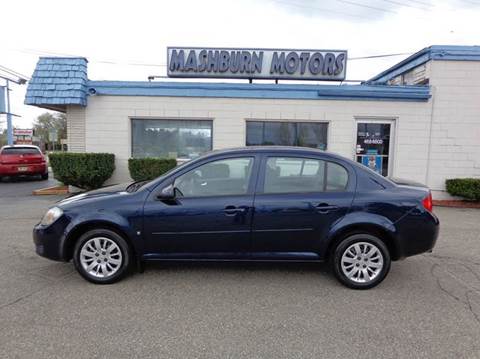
428,307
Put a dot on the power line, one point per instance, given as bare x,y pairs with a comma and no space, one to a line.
367,6
405,5
321,9
422,3
379,56
93,60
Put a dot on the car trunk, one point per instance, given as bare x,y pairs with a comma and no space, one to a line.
405,182
21,156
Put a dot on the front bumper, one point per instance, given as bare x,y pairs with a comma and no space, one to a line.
49,241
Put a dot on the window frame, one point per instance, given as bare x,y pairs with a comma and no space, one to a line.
251,183
260,189
185,119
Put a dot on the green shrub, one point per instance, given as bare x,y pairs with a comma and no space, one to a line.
468,188
149,168
83,170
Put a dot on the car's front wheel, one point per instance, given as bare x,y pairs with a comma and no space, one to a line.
101,256
361,261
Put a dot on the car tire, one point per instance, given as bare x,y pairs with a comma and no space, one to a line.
361,261
102,256
44,176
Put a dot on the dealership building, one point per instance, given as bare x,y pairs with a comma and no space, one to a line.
419,119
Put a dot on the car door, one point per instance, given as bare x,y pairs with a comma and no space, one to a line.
211,214
297,200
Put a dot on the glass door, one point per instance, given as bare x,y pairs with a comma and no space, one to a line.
374,142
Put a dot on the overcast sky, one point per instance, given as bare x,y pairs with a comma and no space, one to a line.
127,40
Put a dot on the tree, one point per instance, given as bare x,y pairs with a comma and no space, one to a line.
47,121
3,137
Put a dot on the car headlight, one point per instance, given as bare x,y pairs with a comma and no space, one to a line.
51,216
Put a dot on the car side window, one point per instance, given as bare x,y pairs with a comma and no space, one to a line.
217,178
290,175
295,175
337,177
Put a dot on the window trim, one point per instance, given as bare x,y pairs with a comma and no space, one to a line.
260,189
142,118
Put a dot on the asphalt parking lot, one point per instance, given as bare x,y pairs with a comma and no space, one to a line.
428,307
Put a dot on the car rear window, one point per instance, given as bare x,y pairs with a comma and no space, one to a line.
20,151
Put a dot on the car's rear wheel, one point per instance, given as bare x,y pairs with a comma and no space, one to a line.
361,261
101,256
45,176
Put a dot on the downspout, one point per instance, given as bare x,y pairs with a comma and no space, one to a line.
427,174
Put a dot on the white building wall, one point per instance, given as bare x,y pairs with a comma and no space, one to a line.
455,142
108,124
76,128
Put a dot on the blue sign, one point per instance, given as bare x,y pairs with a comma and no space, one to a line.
2,100
373,162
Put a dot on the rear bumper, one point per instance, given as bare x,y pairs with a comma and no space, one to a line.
417,233
23,169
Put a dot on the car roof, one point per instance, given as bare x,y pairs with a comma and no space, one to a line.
280,149
20,146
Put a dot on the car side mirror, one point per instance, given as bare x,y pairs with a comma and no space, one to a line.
167,193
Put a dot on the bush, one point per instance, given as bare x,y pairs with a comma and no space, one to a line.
83,170
468,188
149,168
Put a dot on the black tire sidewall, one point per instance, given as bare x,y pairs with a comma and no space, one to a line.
347,242
119,240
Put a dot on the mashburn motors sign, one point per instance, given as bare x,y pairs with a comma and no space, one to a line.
257,63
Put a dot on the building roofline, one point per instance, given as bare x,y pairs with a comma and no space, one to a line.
259,91
434,52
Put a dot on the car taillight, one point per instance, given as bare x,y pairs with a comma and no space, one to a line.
427,202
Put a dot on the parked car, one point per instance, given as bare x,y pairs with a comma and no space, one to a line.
22,160
253,203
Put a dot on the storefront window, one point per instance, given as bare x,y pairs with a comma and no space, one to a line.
304,134
171,138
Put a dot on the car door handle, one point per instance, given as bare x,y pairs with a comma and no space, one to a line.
325,208
233,210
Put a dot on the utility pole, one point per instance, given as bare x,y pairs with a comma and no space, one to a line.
10,76
9,117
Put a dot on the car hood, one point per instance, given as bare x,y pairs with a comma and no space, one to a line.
97,193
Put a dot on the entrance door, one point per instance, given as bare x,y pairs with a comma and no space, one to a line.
374,144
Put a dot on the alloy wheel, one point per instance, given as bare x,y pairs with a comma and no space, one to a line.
362,262
101,257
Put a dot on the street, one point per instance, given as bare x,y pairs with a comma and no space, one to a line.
428,306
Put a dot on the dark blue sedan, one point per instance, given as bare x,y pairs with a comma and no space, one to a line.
254,203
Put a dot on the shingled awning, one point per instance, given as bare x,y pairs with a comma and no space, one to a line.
58,82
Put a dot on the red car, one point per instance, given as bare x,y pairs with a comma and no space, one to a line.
21,160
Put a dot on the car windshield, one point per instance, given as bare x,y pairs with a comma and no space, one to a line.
20,151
